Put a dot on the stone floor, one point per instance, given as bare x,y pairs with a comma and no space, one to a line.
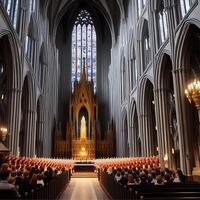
84,189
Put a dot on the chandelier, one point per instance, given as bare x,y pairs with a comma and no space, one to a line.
193,93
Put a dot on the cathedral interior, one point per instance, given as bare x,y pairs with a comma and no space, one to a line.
88,79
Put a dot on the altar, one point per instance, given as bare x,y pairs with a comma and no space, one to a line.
84,166
84,139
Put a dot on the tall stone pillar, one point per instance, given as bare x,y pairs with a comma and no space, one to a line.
162,104
183,128
14,119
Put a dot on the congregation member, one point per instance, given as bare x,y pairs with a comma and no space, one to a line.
22,175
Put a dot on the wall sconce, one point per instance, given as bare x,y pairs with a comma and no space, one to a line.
173,151
4,133
166,157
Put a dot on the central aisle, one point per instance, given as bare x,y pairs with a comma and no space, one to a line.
84,189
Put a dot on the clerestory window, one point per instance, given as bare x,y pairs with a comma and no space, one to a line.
185,6
162,20
13,10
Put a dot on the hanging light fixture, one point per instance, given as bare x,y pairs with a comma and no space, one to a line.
193,93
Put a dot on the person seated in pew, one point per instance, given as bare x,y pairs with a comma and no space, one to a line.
179,177
153,175
167,179
7,190
143,179
124,180
118,176
159,180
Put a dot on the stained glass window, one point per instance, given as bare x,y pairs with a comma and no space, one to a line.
83,46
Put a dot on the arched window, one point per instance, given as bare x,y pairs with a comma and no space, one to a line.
32,6
146,45
30,46
141,4
30,42
162,21
83,46
13,10
185,6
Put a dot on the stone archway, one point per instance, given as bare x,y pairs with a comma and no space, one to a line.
186,69
83,112
147,123
5,82
135,148
10,88
165,102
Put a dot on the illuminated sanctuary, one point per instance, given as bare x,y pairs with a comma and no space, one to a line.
83,136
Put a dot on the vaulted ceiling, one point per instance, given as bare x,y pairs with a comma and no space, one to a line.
111,10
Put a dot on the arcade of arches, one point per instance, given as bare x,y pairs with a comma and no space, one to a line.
139,58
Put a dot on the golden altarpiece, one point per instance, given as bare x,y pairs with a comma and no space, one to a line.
83,134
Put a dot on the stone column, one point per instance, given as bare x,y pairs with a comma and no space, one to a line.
179,80
172,19
143,133
161,150
14,119
30,132
162,104
134,138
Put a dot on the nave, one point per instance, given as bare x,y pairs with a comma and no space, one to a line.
83,189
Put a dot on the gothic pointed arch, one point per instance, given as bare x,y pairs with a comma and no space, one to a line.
111,11
134,130
187,61
63,36
11,78
132,59
167,119
144,44
6,79
147,125
83,112
84,48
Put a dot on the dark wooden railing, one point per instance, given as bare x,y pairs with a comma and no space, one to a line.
150,192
